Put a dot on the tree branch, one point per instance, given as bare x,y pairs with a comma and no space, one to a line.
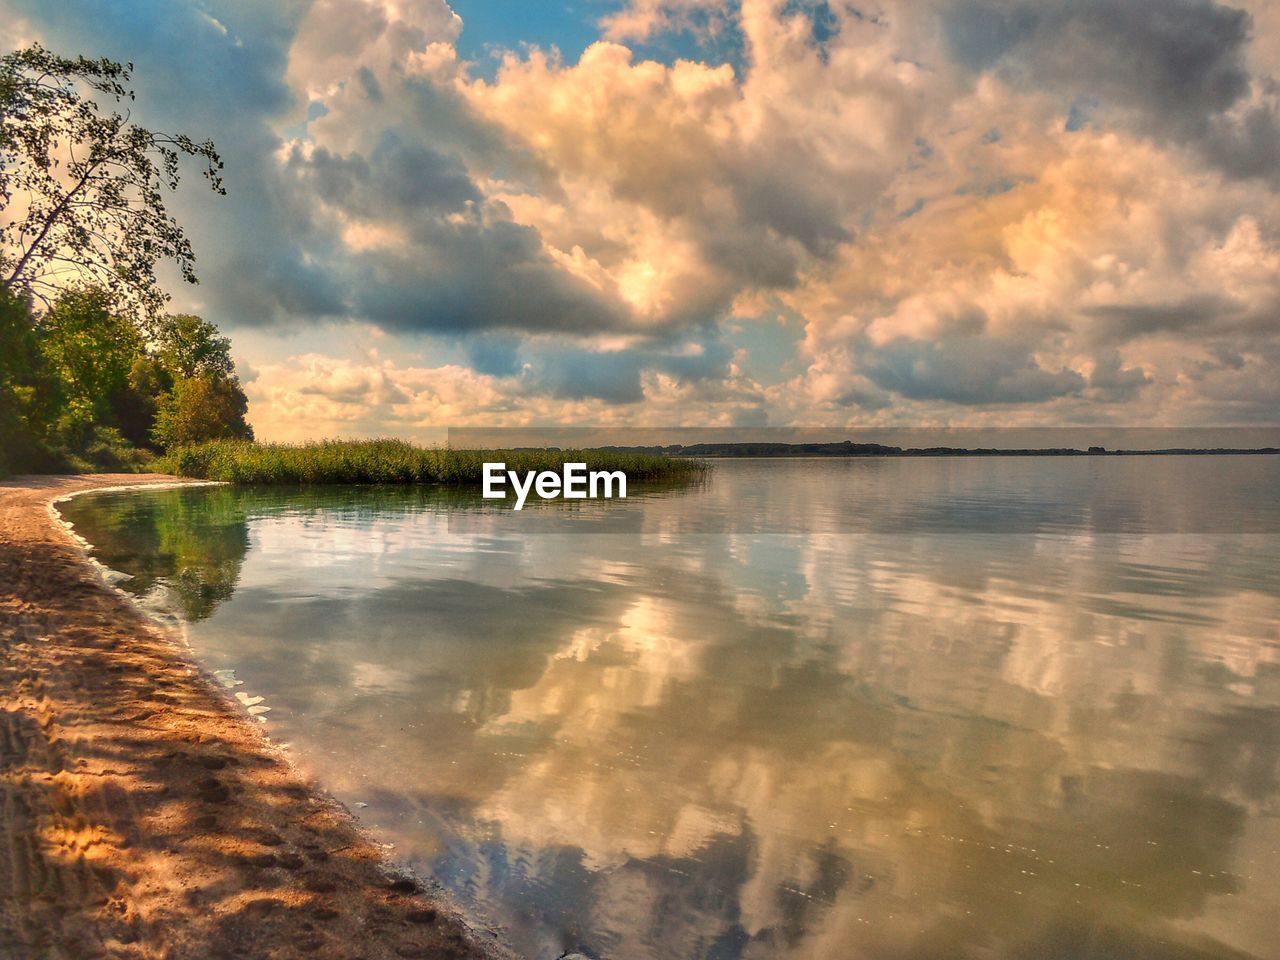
49,221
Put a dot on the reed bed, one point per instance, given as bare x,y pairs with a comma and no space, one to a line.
397,461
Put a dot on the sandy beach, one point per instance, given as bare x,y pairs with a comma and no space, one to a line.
143,814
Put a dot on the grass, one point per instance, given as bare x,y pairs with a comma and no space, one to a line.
396,461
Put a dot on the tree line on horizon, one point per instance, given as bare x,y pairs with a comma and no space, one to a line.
94,372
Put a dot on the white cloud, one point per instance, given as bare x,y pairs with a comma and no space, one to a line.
968,227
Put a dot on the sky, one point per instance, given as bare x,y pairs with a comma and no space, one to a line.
766,212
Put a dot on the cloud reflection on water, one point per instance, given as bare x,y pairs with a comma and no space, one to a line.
767,745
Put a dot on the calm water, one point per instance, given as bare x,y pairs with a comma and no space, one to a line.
825,710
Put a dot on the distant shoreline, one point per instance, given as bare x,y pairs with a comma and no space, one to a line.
848,449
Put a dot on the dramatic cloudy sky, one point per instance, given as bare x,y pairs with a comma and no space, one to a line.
709,213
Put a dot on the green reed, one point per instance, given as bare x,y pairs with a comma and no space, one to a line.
398,461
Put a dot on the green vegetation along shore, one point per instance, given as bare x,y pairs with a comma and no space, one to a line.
95,373
397,461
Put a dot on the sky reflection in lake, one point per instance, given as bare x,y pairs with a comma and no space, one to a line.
892,734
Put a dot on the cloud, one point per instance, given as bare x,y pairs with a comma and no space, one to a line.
1176,61
644,19
967,370
1064,210
1121,322
617,375
1113,382
687,185
1177,70
313,395
395,177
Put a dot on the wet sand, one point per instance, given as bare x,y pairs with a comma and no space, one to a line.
142,813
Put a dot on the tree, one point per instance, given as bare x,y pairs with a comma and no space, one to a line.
188,345
82,191
30,393
208,406
91,350
137,402
90,367
184,347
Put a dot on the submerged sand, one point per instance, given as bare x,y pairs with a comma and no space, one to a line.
142,814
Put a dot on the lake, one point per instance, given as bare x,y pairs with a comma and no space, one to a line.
821,709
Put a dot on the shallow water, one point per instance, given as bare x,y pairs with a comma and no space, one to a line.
997,708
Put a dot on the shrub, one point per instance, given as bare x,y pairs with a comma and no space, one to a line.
106,450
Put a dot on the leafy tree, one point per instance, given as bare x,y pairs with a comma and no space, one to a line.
90,186
137,402
91,350
91,369
30,393
204,400
208,406
188,345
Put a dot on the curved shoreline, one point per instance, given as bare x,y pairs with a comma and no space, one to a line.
142,812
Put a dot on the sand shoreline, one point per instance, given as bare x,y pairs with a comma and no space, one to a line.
142,813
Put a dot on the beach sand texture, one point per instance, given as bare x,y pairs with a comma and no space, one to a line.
142,814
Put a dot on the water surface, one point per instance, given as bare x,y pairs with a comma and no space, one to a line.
815,709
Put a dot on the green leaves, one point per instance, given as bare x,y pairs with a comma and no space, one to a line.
91,350
82,192
81,388
207,406
188,345
206,401
83,226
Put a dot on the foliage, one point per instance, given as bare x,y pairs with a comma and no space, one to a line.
138,401
207,406
395,461
90,350
30,395
91,185
81,390
91,371
188,345
104,449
